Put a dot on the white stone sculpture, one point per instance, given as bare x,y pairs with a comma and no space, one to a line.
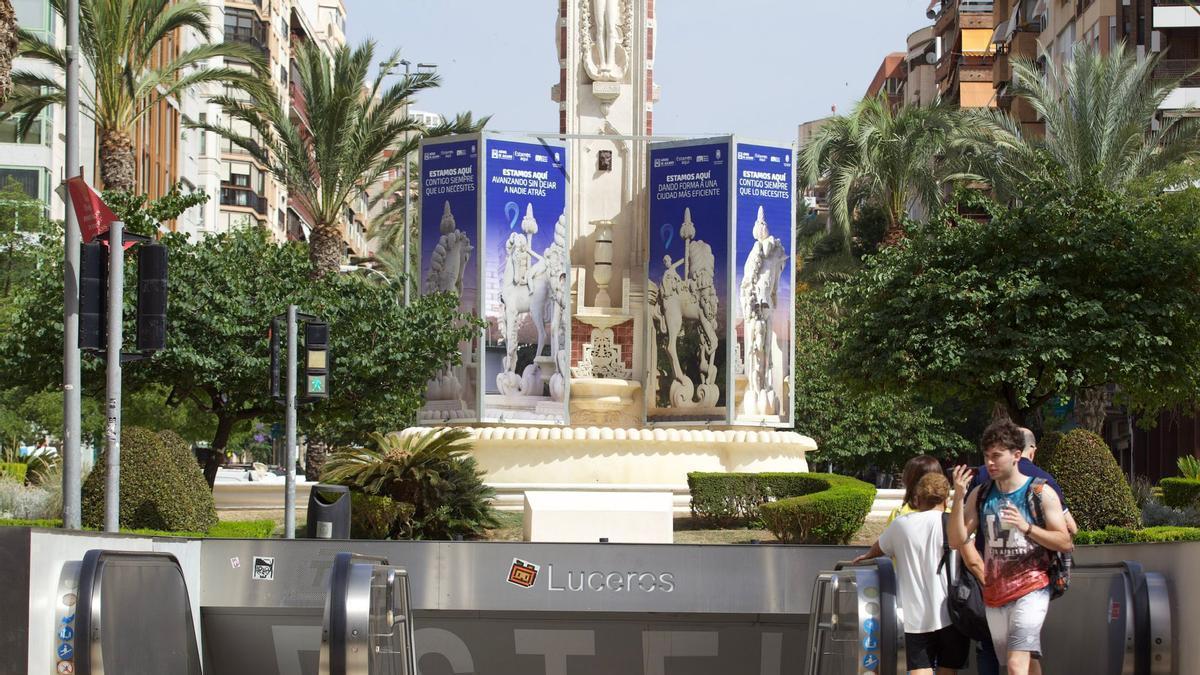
602,357
605,26
692,299
446,268
759,297
538,289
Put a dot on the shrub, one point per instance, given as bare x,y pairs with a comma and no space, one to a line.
1156,513
1143,491
733,499
14,471
25,502
1124,535
1189,467
161,486
437,488
1094,487
1180,493
372,517
829,516
1047,445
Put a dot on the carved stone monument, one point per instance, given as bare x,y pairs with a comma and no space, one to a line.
759,297
444,393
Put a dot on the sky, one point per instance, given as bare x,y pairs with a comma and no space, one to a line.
752,67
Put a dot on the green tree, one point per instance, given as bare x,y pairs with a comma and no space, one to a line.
1102,122
856,429
224,291
342,139
896,159
23,223
122,43
1075,287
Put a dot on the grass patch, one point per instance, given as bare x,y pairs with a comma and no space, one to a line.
241,529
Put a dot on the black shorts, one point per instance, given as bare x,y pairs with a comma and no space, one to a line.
945,648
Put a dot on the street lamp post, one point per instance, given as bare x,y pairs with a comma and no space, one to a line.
71,512
421,67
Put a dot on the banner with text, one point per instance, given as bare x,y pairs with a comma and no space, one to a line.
687,294
764,315
526,282
450,263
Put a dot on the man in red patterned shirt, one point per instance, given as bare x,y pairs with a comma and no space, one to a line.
1016,554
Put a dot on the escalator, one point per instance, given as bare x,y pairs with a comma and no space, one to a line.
1115,620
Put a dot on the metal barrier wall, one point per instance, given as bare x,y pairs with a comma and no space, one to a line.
583,609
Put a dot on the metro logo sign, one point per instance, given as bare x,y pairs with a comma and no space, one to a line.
91,212
522,573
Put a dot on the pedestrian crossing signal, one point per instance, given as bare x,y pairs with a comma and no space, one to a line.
316,360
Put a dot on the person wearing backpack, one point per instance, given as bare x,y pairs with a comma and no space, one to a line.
985,654
916,542
1021,524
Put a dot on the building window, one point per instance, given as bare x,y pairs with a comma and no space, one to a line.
242,25
31,181
203,135
38,134
35,16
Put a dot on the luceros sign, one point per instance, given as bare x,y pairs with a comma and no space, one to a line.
531,575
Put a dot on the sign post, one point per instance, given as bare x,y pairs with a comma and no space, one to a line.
116,288
289,516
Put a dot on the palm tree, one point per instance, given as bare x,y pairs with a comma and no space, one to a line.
897,159
121,41
343,139
9,43
387,226
1100,113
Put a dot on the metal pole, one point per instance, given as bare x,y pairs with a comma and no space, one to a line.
407,222
289,506
71,377
116,287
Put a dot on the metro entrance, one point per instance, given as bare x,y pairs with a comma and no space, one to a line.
121,604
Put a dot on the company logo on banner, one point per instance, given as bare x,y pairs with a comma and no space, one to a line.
522,573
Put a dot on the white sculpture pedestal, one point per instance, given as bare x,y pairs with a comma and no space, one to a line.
620,517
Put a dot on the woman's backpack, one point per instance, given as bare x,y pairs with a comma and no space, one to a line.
964,594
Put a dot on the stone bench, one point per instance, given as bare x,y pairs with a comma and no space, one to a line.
577,516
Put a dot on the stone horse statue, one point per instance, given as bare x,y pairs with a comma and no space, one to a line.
692,300
759,297
529,289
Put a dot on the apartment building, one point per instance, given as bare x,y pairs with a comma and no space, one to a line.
890,78
37,162
920,82
962,32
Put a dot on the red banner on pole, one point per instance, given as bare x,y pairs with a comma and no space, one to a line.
93,214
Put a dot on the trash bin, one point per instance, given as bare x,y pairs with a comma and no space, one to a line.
328,512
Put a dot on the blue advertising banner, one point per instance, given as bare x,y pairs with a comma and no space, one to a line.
526,282
687,294
450,263
764,216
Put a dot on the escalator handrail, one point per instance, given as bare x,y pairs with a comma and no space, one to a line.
888,601
88,657
339,577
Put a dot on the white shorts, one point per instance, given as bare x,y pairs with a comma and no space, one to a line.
1017,626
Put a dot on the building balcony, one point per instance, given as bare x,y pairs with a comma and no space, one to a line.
1175,14
232,195
1179,68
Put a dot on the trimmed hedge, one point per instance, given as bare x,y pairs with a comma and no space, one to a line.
14,470
1180,493
1094,487
828,516
733,499
806,508
372,516
1123,535
162,488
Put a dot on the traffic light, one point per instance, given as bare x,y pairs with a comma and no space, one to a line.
93,296
276,380
152,298
316,360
